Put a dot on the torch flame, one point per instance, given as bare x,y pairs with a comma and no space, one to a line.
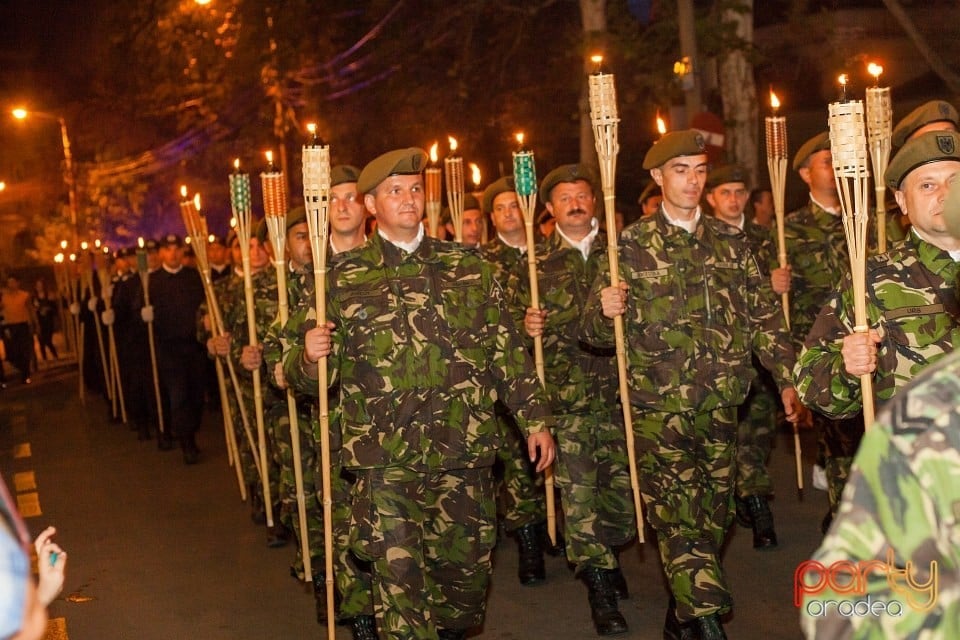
875,70
842,79
183,191
236,164
312,128
269,155
433,152
519,138
196,201
211,238
73,257
475,174
58,258
63,244
661,125
233,222
97,243
453,143
84,245
774,100
140,242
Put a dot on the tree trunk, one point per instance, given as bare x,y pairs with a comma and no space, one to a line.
739,93
949,77
594,16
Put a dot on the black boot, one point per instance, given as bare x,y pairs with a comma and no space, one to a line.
277,536
258,512
164,441
673,630
744,519
451,634
531,569
363,628
618,582
710,628
607,619
764,536
191,454
554,550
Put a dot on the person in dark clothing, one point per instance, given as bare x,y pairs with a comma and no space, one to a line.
45,309
176,292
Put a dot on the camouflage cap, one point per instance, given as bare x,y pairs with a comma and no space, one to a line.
932,146
407,161
566,173
342,173
674,144
819,142
951,209
503,185
933,111
299,214
725,174
171,239
469,202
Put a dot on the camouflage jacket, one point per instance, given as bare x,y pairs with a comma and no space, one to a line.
226,290
579,376
272,340
265,312
423,347
511,270
817,252
899,510
912,304
697,308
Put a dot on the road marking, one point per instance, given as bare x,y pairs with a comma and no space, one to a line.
22,450
28,504
24,481
56,629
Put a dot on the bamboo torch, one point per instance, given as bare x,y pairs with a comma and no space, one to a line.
144,272
603,115
196,228
848,145
106,291
86,274
316,198
453,173
432,193
241,203
879,133
76,292
275,213
525,179
776,135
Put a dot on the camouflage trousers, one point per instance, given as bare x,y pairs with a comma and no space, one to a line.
352,577
521,496
429,538
838,440
593,475
756,430
686,477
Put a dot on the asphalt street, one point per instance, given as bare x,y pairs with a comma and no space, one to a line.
160,550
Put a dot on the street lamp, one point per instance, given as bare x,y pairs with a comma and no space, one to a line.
68,175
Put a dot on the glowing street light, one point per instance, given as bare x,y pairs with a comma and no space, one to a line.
68,175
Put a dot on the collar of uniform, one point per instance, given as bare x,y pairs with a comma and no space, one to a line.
407,247
936,260
688,226
172,271
522,248
836,212
583,245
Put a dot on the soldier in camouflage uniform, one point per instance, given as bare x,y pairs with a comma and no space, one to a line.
698,308
818,260
912,308
234,344
757,418
355,604
592,467
899,510
421,347
523,503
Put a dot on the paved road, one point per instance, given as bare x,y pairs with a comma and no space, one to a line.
158,550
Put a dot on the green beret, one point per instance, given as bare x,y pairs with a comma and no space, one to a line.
931,146
566,173
819,142
951,209
725,174
933,111
652,189
295,216
260,233
343,173
503,185
404,162
688,142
